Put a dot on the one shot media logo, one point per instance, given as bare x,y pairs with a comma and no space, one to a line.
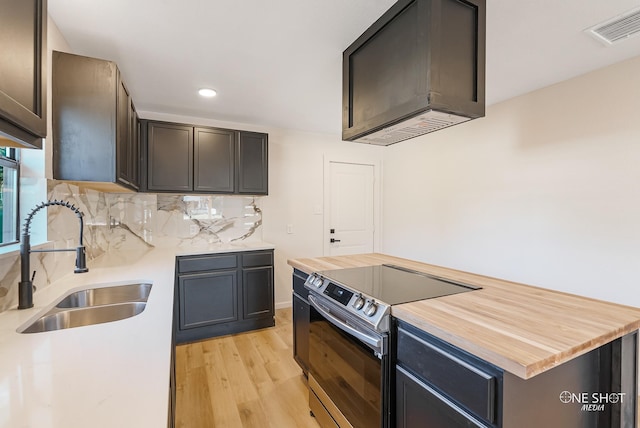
592,401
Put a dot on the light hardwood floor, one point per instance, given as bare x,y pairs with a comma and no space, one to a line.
243,380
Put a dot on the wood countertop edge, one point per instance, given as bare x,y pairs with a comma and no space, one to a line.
524,371
520,368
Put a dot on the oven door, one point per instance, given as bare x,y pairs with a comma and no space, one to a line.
348,368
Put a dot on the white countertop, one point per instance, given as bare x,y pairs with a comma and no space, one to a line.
106,375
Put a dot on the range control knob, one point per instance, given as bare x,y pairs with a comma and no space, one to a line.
359,303
371,309
317,282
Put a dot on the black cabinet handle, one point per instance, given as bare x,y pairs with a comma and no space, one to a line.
334,240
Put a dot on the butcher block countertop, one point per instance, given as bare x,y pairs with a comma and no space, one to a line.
522,329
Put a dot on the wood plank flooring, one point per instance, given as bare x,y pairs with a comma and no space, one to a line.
243,380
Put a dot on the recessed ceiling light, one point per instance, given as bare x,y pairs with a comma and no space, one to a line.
206,92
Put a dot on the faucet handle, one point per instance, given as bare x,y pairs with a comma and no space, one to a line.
81,261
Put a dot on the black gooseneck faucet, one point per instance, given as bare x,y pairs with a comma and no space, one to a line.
25,286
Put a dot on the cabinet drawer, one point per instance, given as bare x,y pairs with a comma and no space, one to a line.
209,262
463,378
419,405
262,258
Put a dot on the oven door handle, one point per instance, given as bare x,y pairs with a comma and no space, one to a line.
374,342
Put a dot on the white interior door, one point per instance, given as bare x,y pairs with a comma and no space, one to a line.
349,208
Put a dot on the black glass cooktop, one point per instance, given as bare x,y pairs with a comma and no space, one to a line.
393,284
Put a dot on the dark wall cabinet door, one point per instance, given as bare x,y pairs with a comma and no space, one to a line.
253,171
208,298
23,72
95,125
170,157
127,147
214,161
134,146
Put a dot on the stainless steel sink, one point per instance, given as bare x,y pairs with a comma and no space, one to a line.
106,296
85,316
92,306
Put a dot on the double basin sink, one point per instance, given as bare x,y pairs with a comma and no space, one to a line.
92,306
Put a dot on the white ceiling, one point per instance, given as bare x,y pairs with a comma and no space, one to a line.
277,63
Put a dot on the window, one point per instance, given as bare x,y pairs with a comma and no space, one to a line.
9,173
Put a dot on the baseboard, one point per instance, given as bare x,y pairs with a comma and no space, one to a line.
282,305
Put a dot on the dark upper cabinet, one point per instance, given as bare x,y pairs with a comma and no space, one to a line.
187,159
95,131
169,157
23,72
214,160
252,163
128,152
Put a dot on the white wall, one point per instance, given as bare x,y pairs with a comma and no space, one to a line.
544,190
296,169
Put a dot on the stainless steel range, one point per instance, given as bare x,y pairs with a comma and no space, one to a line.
349,373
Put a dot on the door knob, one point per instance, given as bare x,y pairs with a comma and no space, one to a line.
334,240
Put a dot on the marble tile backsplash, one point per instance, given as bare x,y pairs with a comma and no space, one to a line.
130,221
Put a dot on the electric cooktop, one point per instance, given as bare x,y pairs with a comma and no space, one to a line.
394,285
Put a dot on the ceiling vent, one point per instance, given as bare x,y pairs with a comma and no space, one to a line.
618,28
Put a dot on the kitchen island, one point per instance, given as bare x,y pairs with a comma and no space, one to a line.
529,333
114,374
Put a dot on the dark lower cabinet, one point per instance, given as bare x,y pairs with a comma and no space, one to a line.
218,294
419,405
257,290
301,314
171,423
208,298
441,386
438,385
